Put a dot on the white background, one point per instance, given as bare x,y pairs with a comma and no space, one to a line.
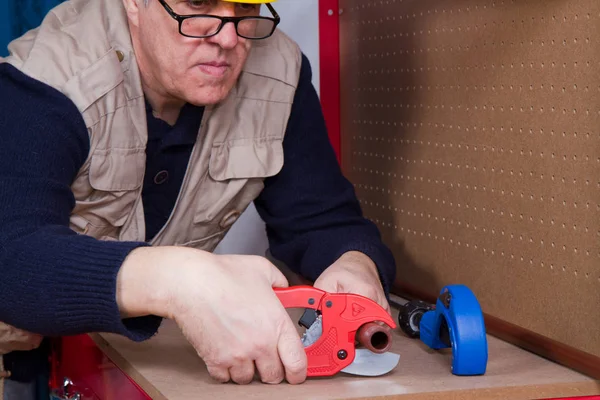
299,19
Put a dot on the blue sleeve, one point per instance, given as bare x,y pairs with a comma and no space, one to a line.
310,209
53,281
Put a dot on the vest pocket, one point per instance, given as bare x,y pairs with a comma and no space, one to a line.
117,170
246,158
236,172
93,225
115,180
207,243
237,169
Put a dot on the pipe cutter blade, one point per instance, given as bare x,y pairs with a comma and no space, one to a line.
367,363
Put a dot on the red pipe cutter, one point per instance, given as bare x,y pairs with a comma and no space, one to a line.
341,322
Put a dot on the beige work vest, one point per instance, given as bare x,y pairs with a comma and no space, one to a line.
83,49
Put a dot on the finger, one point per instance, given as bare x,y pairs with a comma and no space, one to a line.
292,355
25,346
270,368
243,372
382,301
277,278
36,340
26,342
387,307
219,374
327,285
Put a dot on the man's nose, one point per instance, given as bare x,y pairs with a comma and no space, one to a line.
227,38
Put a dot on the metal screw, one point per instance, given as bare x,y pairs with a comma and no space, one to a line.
67,383
328,304
342,354
311,301
446,298
330,12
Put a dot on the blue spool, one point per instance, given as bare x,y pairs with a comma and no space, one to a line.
458,308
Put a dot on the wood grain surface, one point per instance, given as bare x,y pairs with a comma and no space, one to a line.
167,367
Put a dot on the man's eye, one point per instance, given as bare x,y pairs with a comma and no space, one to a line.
200,3
249,8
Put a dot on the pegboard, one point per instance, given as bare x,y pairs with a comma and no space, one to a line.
471,132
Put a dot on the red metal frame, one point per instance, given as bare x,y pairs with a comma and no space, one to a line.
580,398
329,69
94,375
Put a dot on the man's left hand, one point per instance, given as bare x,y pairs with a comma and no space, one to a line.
356,273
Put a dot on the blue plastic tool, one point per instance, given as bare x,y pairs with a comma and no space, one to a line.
455,322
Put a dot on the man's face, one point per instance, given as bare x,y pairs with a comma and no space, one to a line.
198,71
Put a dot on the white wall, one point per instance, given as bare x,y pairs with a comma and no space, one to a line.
299,19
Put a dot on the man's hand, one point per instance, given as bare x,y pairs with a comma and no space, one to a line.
225,306
355,273
13,339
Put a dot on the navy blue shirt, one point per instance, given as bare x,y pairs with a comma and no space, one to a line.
55,282
167,154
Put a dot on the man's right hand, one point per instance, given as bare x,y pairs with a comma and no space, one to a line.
225,306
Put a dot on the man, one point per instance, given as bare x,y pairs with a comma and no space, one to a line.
134,134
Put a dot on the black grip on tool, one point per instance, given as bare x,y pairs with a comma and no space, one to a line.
409,317
308,318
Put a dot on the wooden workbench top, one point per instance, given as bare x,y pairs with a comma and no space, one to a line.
167,367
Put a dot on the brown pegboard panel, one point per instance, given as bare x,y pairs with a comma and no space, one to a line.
471,131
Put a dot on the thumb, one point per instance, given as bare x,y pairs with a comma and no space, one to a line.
277,279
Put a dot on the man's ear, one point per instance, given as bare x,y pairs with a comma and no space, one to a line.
132,7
